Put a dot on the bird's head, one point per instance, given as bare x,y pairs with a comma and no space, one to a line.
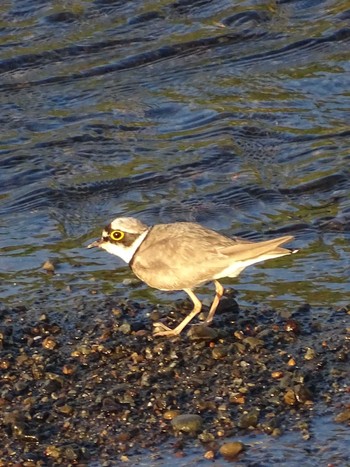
122,237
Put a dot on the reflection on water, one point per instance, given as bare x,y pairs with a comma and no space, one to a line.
233,116
234,119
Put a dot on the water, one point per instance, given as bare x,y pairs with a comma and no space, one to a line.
232,114
262,450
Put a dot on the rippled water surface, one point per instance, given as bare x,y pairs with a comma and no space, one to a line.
232,114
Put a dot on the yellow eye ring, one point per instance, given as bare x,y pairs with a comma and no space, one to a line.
117,235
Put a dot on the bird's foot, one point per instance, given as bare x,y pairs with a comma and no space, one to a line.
207,322
161,330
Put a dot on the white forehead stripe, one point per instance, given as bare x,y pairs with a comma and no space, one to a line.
128,224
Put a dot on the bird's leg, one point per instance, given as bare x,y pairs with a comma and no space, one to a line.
219,293
175,332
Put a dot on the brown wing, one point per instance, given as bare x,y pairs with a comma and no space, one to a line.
181,255
271,248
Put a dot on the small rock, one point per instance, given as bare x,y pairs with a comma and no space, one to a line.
131,281
219,352
50,265
81,350
210,455
239,347
160,347
231,450
110,405
117,312
277,374
170,414
53,451
72,453
302,393
292,326
253,342
65,409
49,343
249,419
68,369
206,437
343,417
188,423
239,335
125,328
202,332
4,364
310,354
237,398
289,397
228,304
155,315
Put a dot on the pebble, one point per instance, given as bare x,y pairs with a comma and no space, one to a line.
289,397
209,455
219,352
228,305
170,414
131,281
239,335
240,348
53,451
277,374
49,343
292,326
117,312
237,398
343,417
125,328
65,409
68,369
202,332
231,450
253,342
302,393
310,354
50,265
249,419
104,394
206,437
187,423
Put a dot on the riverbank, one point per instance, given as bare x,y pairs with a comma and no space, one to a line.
91,386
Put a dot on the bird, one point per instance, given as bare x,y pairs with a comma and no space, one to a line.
182,256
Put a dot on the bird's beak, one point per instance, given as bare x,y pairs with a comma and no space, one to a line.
95,243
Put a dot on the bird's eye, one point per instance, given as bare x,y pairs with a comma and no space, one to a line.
117,235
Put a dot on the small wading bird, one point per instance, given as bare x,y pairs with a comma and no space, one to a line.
183,255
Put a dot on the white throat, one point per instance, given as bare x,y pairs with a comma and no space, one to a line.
125,253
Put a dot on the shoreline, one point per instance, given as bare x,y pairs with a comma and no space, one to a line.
93,384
